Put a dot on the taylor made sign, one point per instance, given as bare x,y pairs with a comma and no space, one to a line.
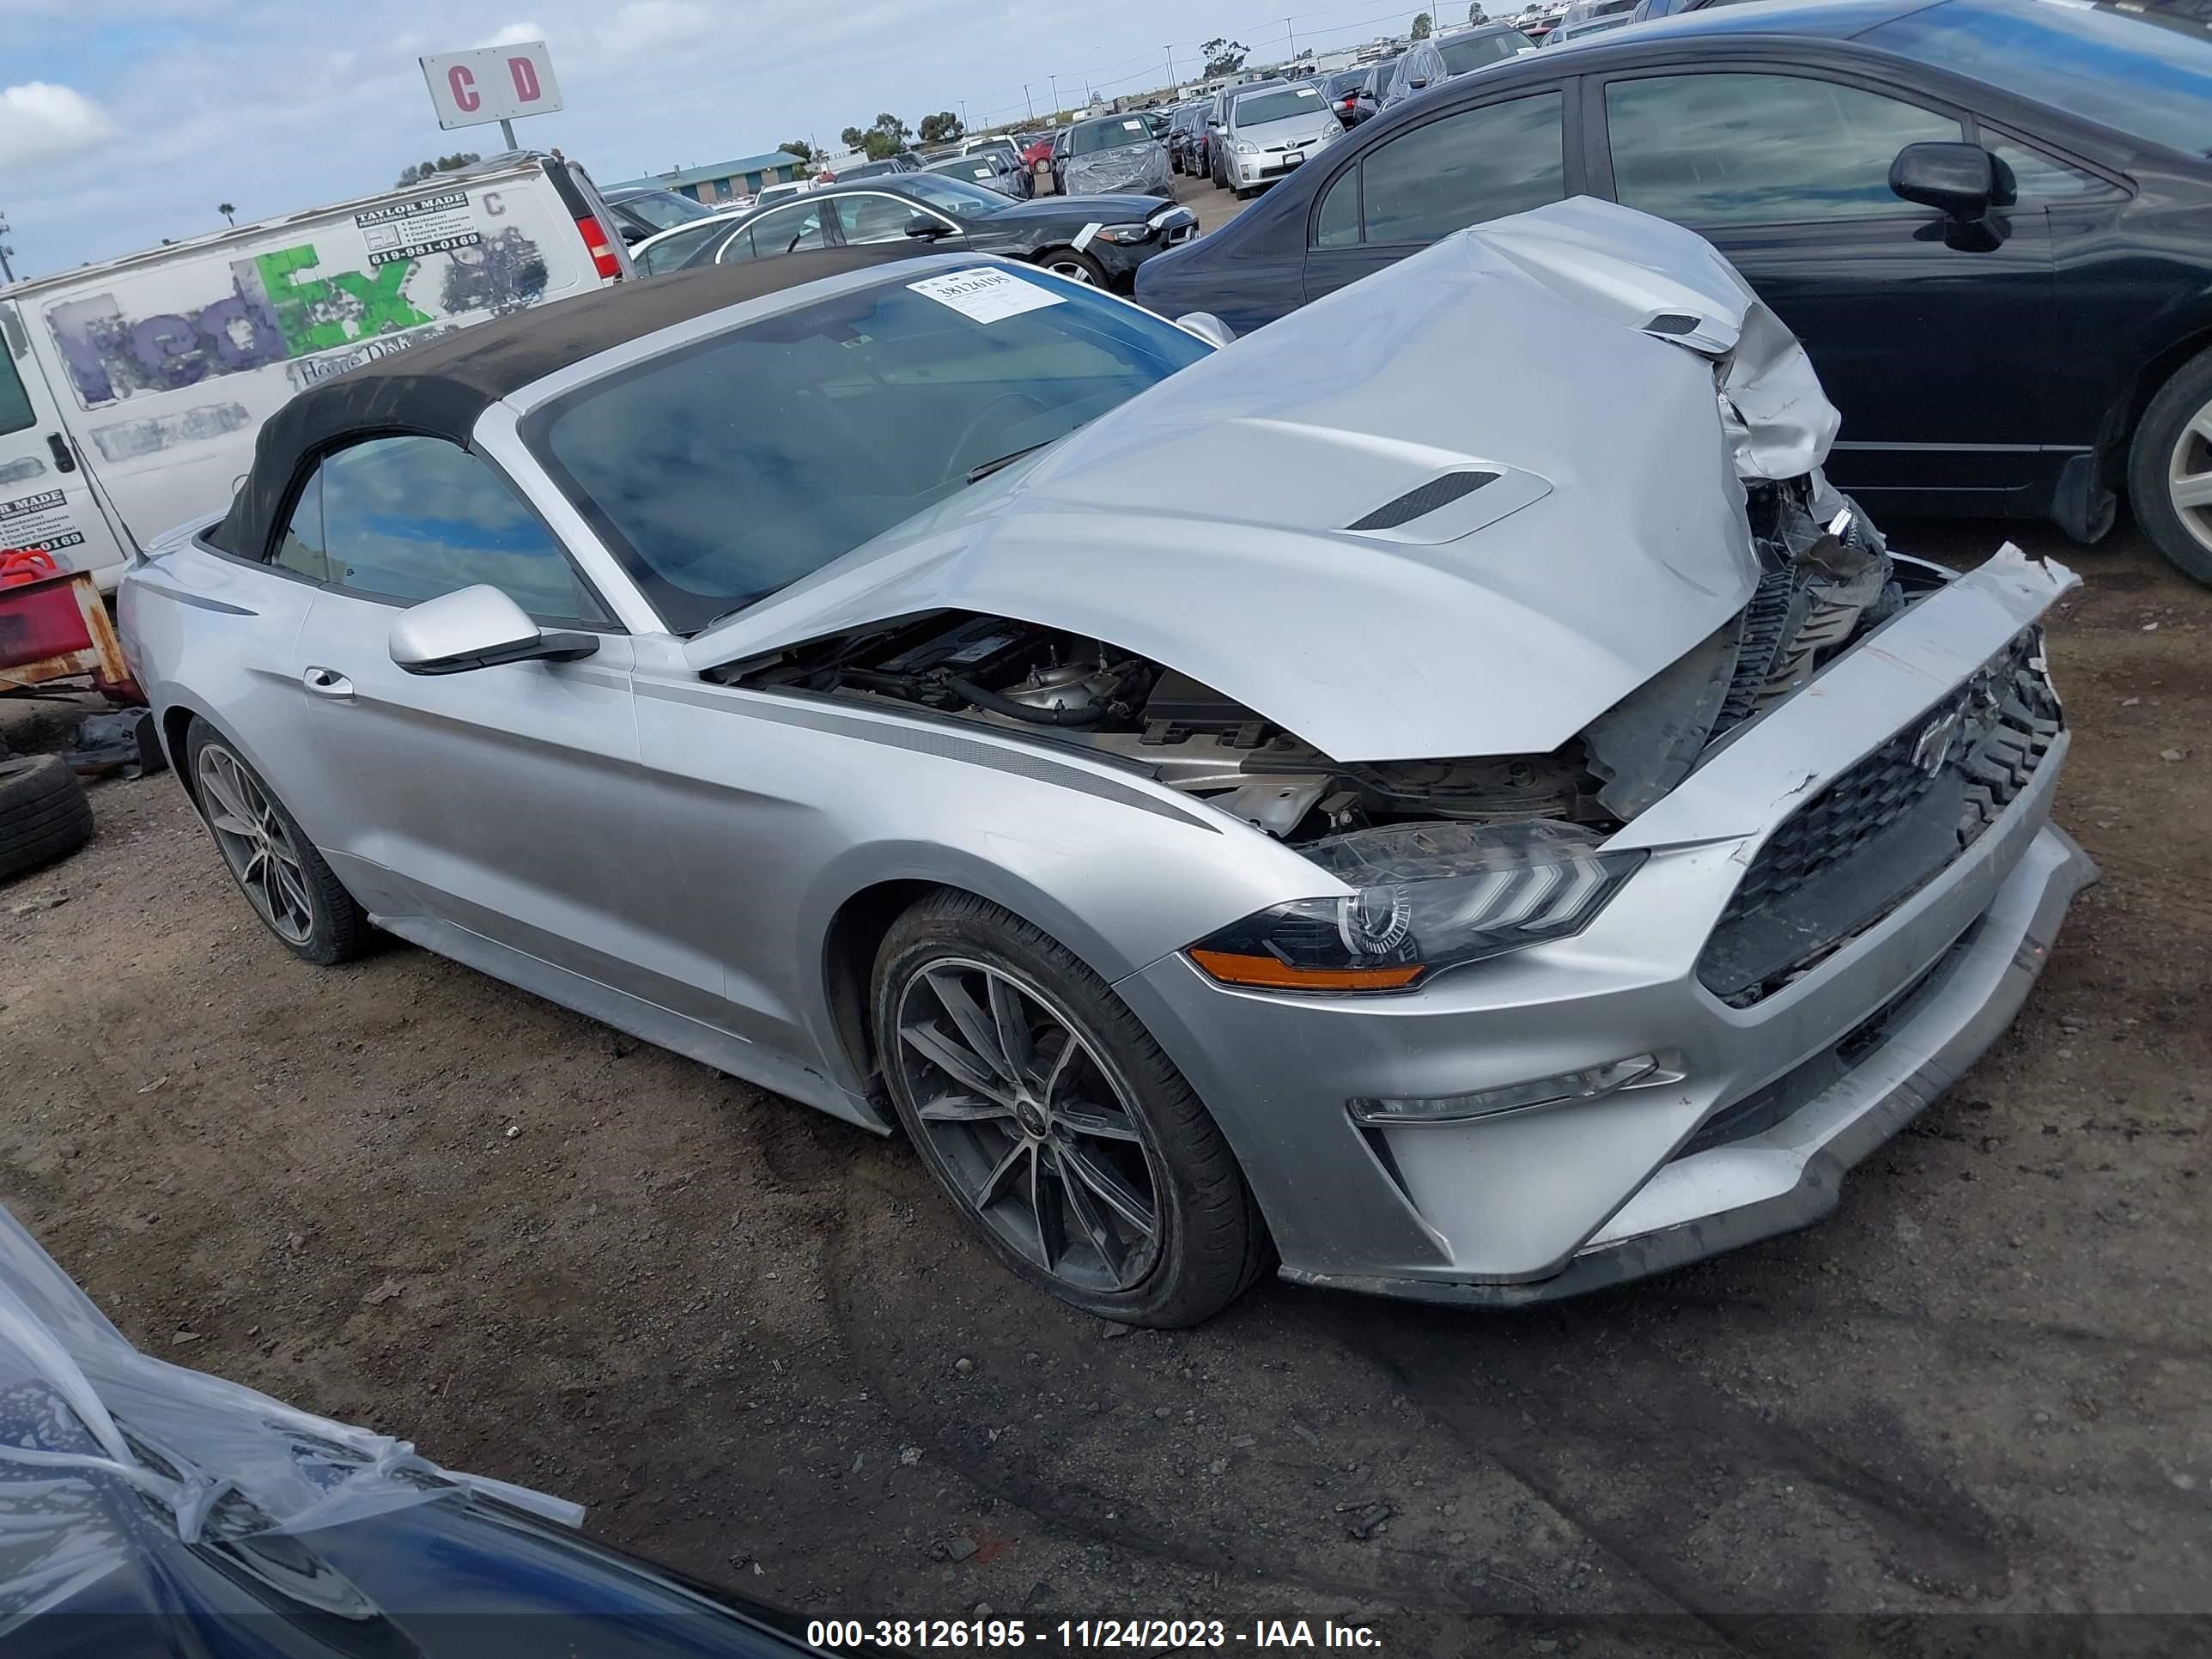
492,83
428,224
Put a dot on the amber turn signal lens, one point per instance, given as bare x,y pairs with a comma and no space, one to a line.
1270,973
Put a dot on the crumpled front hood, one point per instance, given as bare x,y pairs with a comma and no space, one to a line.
1207,523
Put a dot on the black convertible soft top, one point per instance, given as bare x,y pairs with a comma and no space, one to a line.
438,389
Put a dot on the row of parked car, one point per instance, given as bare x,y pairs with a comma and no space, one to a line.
1980,174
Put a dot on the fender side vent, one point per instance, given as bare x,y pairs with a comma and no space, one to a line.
1419,502
1671,322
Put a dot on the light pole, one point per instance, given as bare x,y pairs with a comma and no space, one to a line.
1054,79
1031,101
1294,40
1171,81
7,271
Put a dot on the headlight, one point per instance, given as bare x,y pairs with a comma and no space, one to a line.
1427,896
1124,232
1243,149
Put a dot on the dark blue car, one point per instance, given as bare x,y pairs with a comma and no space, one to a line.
146,1510
1989,220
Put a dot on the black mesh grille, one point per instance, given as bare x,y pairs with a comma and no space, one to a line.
1671,322
1843,817
1416,503
1885,826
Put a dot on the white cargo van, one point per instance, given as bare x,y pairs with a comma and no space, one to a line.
130,390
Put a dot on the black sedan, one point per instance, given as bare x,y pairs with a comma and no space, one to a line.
1102,239
1989,220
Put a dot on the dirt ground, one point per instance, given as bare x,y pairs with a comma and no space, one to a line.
756,1343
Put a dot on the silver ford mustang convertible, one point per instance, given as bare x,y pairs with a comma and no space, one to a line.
1477,830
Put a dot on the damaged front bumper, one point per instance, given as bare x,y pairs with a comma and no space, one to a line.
1744,1123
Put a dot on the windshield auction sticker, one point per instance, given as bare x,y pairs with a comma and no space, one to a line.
986,295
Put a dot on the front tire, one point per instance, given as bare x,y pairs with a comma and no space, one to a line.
297,896
2170,470
1075,264
1070,1143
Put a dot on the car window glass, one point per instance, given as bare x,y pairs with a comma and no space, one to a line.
1280,105
300,549
14,401
2148,75
954,195
1338,225
1464,168
409,519
727,469
2039,178
669,252
878,218
787,230
737,250
664,209
1708,149
1471,51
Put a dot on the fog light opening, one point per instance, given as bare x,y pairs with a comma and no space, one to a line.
1566,1088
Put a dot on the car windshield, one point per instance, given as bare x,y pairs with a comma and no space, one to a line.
733,466
1094,136
956,194
1279,104
2119,71
1471,51
663,208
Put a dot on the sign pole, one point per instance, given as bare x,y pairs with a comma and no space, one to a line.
506,133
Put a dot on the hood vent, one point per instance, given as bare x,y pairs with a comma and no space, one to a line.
1425,499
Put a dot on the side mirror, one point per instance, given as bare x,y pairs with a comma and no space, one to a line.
925,228
476,626
1415,83
1958,180
1208,327
631,234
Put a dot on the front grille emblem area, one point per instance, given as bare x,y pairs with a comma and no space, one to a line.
1933,746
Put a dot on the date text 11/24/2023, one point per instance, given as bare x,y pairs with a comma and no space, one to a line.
1082,1635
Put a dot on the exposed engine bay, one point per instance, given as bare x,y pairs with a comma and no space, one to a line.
1825,579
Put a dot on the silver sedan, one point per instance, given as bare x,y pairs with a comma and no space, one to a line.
1477,830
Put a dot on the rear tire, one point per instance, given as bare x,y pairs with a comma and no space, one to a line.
44,813
295,893
2170,470
1084,1162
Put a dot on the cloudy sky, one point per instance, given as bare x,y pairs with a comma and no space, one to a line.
124,121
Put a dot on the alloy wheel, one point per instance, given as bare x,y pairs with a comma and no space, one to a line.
1074,270
256,843
1037,1136
2189,477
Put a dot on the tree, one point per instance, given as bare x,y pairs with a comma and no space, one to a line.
942,127
1223,56
888,136
453,163
225,210
803,150
1423,26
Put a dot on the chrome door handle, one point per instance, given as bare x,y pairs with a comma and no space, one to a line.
327,682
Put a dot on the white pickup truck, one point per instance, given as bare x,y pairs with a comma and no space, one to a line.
130,390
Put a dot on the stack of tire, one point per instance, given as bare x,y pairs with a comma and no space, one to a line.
44,813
